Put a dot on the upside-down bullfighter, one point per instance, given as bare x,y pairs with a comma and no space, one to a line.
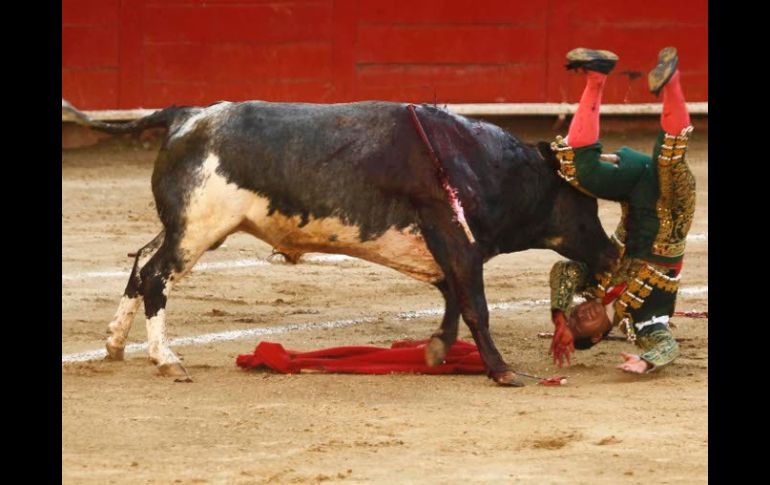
355,179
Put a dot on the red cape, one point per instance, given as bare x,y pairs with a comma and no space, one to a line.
404,356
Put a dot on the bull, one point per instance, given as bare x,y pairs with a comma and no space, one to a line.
357,179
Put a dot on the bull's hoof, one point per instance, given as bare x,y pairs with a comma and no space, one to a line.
175,370
114,353
507,378
435,352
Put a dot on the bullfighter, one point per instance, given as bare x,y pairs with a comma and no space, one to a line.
657,198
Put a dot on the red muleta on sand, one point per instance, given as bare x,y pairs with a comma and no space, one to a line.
403,356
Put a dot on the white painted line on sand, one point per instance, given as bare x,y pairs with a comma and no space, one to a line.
327,258
222,337
256,332
93,274
215,266
694,290
218,265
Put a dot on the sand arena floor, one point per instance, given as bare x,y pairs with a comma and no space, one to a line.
122,423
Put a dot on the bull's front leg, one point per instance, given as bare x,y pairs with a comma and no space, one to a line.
441,340
462,264
469,283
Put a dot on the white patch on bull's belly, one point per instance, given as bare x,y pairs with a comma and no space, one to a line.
218,208
403,250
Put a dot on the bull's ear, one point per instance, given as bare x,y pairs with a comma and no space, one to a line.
545,151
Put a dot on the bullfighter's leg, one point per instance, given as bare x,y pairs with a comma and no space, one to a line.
584,128
674,118
445,336
463,266
124,317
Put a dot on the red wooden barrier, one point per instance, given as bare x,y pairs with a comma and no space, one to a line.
151,53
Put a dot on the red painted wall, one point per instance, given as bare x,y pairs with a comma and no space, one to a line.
151,53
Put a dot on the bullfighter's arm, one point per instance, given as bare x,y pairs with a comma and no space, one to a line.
567,278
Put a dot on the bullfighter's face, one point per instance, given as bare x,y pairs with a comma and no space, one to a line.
589,319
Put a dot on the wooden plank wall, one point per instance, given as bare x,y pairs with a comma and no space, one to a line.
151,53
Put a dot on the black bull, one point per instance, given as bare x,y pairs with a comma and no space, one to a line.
354,179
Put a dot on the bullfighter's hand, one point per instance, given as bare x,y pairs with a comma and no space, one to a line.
633,363
562,344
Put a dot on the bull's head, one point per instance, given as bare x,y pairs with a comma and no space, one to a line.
574,229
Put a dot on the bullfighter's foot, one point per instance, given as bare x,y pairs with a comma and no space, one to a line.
435,352
114,352
668,59
591,60
507,378
175,370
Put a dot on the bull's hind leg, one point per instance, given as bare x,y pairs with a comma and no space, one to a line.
196,218
176,256
121,323
445,336
157,277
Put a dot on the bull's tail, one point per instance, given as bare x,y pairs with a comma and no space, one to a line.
159,119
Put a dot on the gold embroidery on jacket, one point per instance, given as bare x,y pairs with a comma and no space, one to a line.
641,278
566,157
676,203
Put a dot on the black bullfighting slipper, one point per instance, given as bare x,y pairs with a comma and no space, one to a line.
591,60
663,70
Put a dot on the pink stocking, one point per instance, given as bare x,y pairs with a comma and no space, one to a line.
584,129
674,117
